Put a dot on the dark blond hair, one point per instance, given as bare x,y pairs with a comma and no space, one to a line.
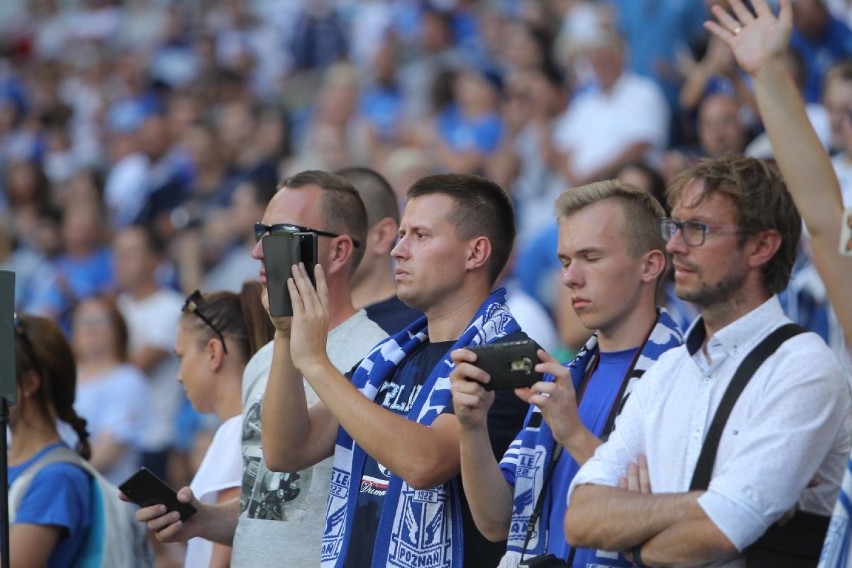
641,228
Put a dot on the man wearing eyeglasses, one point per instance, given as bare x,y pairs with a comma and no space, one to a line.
394,498
733,235
279,517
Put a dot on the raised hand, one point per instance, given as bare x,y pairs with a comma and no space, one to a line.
470,399
755,38
557,399
310,317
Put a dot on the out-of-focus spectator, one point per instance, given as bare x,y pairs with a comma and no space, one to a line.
126,183
432,52
534,98
381,102
821,39
330,135
656,34
253,135
169,176
112,394
837,100
248,202
405,165
720,130
85,266
842,162
151,312
466,127
618,120
248,45
27,194
715,72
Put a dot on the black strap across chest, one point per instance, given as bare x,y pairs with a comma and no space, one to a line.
752,361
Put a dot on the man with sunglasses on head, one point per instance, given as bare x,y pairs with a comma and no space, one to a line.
279,517
694,474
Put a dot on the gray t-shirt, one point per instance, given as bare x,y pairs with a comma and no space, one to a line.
282,514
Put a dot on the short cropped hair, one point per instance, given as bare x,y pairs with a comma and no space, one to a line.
761,202
641,228
376,192
342,206
483,208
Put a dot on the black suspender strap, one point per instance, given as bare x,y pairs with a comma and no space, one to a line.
752,361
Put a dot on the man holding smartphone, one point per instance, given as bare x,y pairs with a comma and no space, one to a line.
394,498
280,515
612,256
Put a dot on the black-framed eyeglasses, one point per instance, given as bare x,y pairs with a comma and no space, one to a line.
289,229
693,232
191,305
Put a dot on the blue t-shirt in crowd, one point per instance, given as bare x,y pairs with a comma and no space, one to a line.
481,134
595,407
60,495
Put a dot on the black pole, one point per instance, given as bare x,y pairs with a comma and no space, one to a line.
4,475
8,397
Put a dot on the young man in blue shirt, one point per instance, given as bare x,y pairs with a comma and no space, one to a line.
612,256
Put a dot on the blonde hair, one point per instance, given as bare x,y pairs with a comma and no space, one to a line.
641,229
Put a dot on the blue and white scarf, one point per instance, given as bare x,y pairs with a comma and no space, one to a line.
535,443
416,527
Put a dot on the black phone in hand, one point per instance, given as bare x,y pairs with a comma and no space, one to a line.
510,364
280,253
145,488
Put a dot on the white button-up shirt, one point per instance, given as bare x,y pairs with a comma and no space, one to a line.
791,425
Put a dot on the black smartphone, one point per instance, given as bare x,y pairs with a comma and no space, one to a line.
510,364
280,253
145,489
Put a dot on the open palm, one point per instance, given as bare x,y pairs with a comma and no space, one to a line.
755,38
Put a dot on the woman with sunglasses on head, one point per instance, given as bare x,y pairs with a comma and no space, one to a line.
52,518
217,334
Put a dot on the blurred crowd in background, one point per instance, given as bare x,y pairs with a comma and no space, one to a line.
141,139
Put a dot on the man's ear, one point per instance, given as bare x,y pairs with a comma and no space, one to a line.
764,244
339,254
478,253
382,236
653,265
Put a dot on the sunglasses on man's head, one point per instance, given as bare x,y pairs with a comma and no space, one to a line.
288,230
